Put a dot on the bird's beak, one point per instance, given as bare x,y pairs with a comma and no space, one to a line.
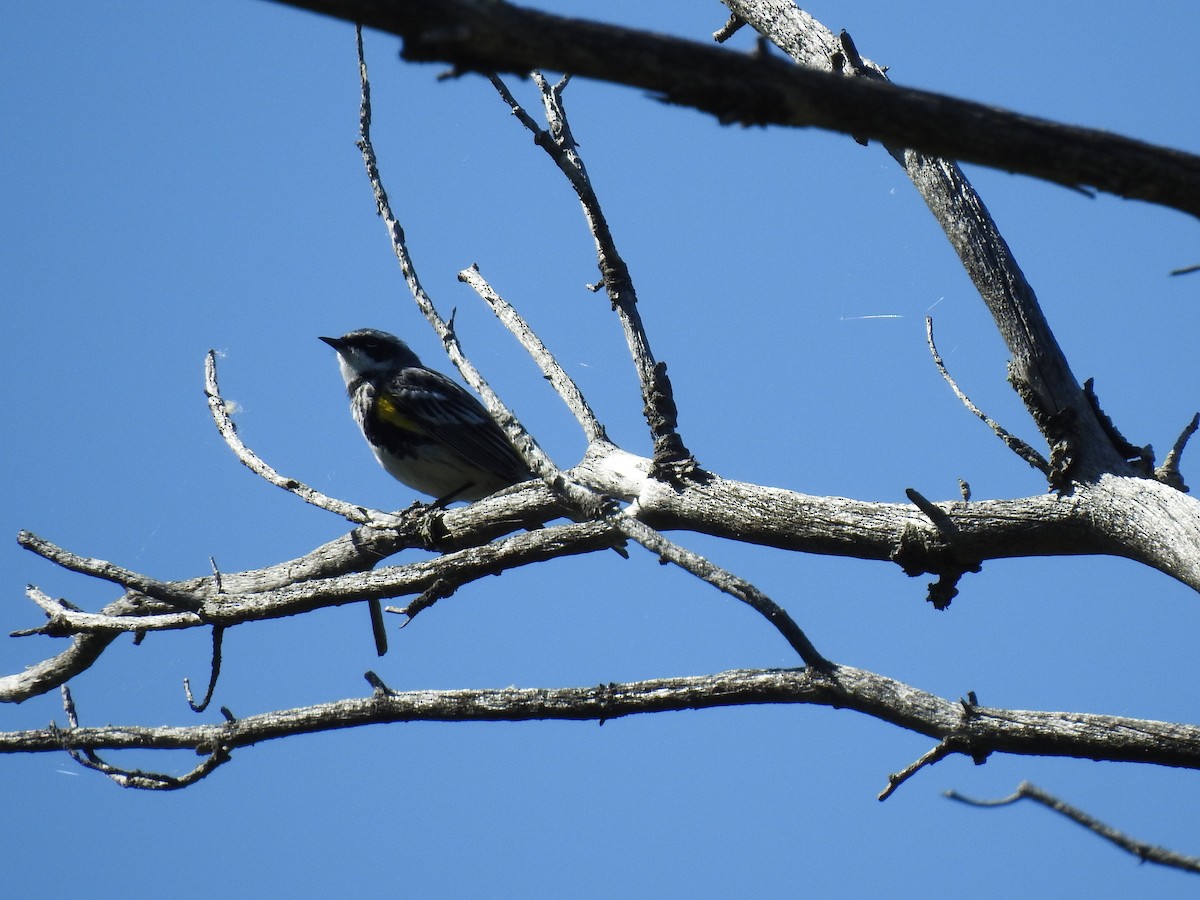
335,343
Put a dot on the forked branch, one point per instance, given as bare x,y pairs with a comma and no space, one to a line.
658,397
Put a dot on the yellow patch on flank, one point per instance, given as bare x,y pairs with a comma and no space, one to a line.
387,411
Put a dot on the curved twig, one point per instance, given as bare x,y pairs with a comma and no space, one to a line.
214,672
133,778
1168,472
1142,850
1011,441
225,425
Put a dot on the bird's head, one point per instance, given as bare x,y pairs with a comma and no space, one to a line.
370,354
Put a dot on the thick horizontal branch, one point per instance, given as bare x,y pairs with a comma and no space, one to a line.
492,36
973,730
1136,518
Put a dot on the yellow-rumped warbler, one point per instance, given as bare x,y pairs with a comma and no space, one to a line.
424,429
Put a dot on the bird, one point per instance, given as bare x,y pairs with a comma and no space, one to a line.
426,430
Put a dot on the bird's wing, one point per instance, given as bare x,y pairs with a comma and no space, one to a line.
426,402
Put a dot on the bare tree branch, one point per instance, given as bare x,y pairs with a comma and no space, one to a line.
658,397
1039,370
455,569
726,581
564,385
1014,443
494,36
1103,512
359,550
225,425
538,460
1142,850
1127,517
976,731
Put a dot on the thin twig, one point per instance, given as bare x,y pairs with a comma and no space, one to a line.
731,27
559,144
937,754
395,230
131,778
103,569
218,634
1014,443
66,619
726,582
225,425
562,383
1142,850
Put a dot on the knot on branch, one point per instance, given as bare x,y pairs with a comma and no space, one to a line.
675,470
961,740
672,458
431,526
934,551
603,701
965,745
1062,462
1058,427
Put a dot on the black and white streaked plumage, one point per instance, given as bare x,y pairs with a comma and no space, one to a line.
424,429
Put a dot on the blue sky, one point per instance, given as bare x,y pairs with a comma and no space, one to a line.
184,176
